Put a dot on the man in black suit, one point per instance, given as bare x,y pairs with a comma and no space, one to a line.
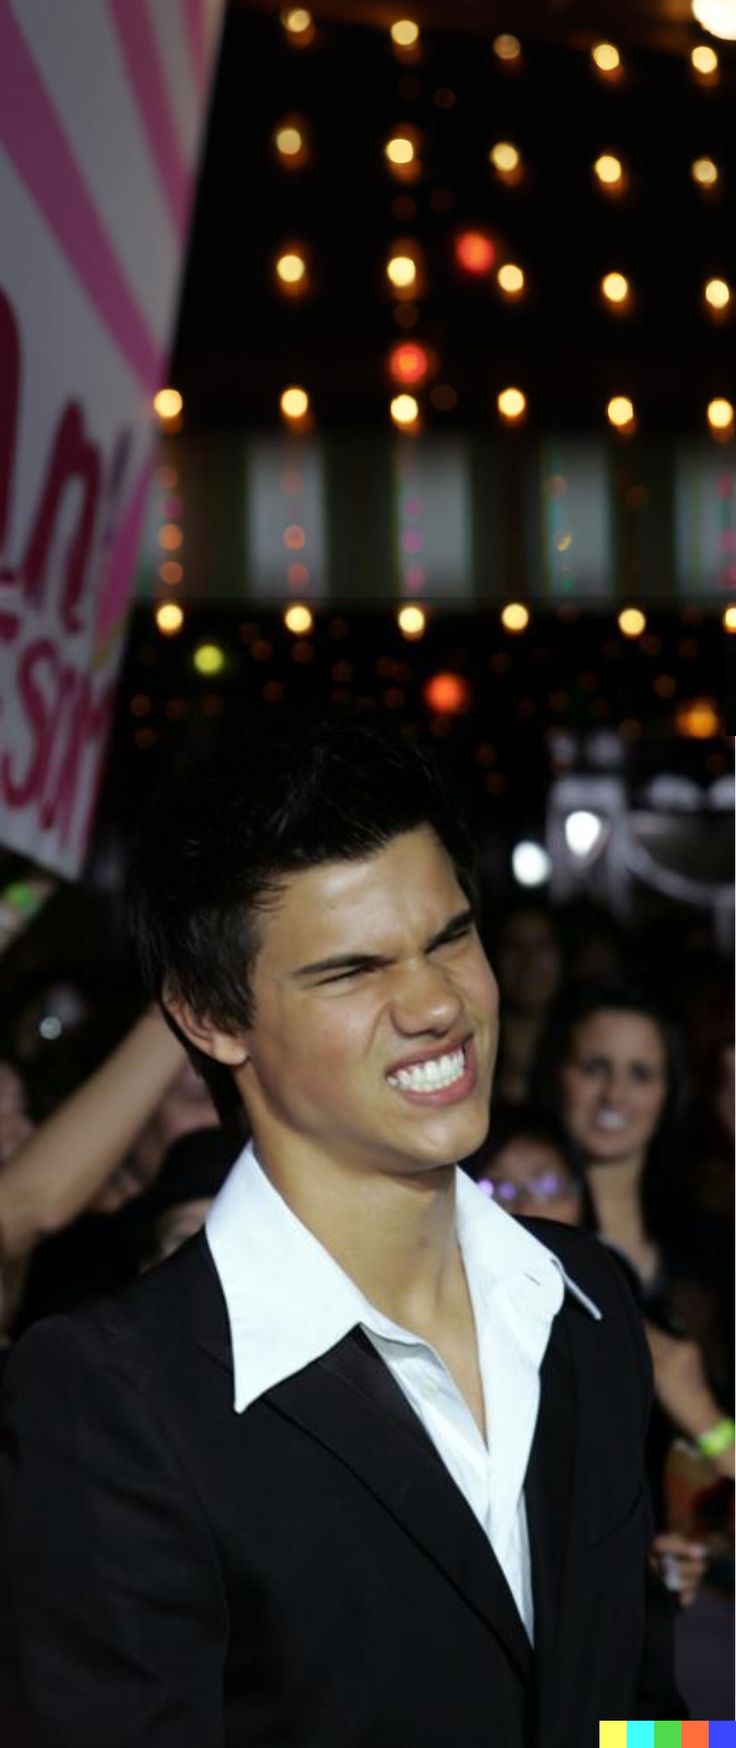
362,1465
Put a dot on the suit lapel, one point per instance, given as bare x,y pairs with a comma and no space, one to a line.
350,1403
549,1493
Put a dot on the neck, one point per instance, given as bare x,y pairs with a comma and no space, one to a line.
615,1194
393,1235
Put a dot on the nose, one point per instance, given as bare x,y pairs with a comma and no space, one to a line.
424,1000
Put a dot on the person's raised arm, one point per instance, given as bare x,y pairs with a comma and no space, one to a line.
57,1172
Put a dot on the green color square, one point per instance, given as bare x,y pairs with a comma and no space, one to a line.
668,1735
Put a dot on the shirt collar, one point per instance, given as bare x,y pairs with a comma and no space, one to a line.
289,1301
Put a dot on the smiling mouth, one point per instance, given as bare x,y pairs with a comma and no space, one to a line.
439,1071
611,1122
440,1079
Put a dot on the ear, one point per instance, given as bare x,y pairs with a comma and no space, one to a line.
225,1047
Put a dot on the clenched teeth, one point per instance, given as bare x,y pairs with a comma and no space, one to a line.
430,1076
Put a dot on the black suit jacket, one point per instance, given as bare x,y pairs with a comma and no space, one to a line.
306,1574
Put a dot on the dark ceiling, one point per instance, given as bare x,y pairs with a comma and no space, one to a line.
240,342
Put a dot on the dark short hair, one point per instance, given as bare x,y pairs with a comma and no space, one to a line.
218,840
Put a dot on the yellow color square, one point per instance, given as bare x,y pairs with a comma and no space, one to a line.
612,1733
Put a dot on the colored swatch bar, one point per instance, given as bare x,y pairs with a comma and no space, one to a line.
648,1733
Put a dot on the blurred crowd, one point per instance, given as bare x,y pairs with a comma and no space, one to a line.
613,1110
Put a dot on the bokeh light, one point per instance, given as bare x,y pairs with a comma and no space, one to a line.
412,622
401,270
169,618
297,20
506,47
716,16
615,287
606,57
505,157
720,414
632,622
170,537
515,616
408,362
717,294
298,619
404,410
729,619
208,658
704,171
171,572
609,170
474,252
291,268
698,719
289,142
400,149
620,411
294,403
168,403
704,59
405,33
447,693
511,404
510,279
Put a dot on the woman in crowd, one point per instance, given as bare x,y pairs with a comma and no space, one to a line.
611,1065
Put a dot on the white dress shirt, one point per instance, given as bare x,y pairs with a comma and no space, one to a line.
289,1302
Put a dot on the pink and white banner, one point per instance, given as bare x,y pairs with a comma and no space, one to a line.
102,106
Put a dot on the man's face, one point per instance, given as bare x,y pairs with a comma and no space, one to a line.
375,1016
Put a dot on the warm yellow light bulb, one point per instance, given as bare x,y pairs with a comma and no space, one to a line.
168,403
515,617
704,171
608,169
289,142
401,270
298,619
729,619
510,279
504,156
718,294
411,621
632,622
400,150
511,403
704,59
169,618
294,403
620,410
405,33
291,269
615,287
404,410
606,57
297,20
507,47
720,414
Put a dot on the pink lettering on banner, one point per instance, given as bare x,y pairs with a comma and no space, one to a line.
138,45
64,722
39,149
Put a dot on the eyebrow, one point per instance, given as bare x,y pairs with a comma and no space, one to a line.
373,961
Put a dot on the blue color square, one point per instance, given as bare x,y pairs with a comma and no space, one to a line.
640,1735
722,1733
